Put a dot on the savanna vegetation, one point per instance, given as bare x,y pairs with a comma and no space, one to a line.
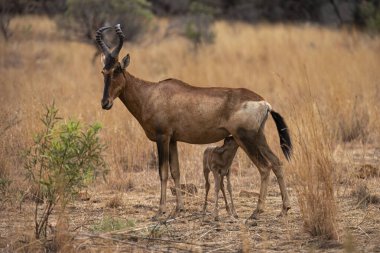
325,82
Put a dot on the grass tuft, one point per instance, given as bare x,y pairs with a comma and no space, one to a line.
313,176
108,224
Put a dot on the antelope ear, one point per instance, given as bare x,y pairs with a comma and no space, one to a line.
103,59
125,61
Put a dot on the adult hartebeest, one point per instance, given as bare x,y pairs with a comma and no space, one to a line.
171,111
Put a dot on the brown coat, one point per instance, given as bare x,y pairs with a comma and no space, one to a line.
171,111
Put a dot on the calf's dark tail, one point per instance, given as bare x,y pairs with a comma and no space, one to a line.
282,128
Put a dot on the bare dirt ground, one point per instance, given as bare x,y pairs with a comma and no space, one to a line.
359,226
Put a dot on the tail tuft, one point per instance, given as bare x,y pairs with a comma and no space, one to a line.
282,128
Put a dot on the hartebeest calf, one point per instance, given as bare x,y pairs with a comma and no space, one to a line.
218,160
171,110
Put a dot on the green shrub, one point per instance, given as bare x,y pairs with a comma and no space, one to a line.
83,18
370,14
62,160
198,24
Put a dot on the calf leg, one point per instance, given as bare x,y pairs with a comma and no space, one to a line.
229,188
217,188
224,194
206,173
174,170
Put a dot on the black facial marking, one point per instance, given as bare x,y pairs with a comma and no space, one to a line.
107,84
109,62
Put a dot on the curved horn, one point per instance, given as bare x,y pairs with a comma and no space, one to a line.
99,40
119,32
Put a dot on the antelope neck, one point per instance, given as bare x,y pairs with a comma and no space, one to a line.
134,93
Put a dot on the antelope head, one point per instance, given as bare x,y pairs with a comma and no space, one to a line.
230,142
113,70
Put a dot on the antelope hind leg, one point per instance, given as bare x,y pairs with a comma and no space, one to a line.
250,141
278,171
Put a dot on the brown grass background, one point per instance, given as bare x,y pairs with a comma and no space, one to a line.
325,82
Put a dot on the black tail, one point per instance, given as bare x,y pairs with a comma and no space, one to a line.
282,128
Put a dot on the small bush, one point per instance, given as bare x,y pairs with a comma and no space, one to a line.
369,12
83,18
62,160
196,25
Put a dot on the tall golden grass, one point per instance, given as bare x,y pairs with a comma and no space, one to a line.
313,173
324,82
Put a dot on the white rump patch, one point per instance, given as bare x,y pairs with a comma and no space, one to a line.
260,107
252,114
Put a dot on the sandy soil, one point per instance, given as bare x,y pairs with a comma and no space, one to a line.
359,227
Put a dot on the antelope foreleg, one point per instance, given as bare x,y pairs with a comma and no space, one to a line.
163,161
174,170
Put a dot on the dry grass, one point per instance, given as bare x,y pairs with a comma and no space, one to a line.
314,172
324,82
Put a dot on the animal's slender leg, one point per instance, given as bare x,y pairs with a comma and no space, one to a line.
163,161
224,194
264,174
217,188
250,142
206,173
175,172
278,171
229,188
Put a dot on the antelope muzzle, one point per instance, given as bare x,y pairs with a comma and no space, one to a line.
106,104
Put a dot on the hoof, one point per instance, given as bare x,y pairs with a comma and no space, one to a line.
180,209
233,213
176,213
255,215
250,223
158,216
284,212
